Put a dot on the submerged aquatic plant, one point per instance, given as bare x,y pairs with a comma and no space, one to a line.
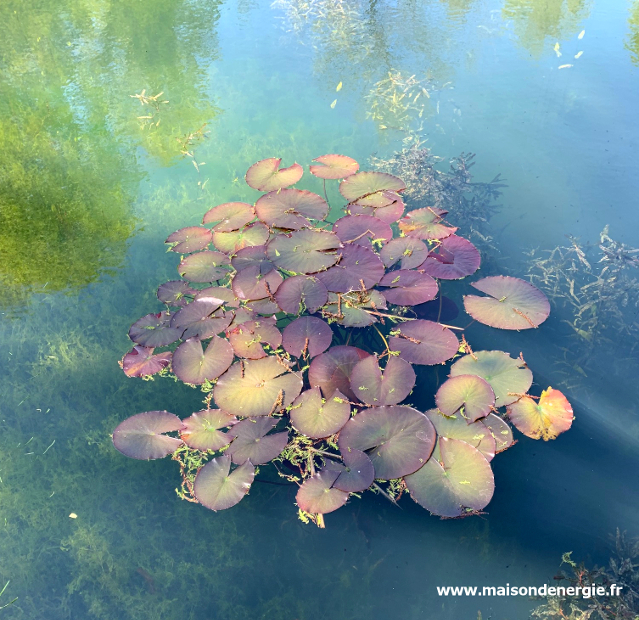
272,301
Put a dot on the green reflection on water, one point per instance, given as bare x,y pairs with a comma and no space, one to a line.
632,42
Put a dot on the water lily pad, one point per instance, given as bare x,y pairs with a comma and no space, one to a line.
265,307
391,387
456,427
205,266
387,206
190,239
193,365
141,436
545,419
197,320
509,378
468,396
251,256
290,208
202,429
298,292
175,292
153,330
304,251
318,417
408,288
412,252
501,432
140,362
332,370
229,216
364,184
248,338
354,309
358,269
334,167
307,336
251,283
357,473
362,230
257,387
316,495
217,489
461,482
253,443
267,176
513,303
455,258
229,242
424,342
425,224
397,439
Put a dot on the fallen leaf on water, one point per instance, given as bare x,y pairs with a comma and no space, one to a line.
334,103
581,34
564,66
578,54
339,87
73,516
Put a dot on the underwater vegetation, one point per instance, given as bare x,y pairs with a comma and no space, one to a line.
596,285
301,333
621,571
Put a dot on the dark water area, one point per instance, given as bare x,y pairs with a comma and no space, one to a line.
544,92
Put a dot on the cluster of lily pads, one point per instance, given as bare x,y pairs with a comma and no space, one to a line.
262,320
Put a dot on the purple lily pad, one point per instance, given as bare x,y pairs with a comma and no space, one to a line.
317,496
247,339
501,432
252,388
334,167
267,176
307,336
173,293
252,256
153,330
193,365
408,288
424,342
200,320
425,224
140,362
358,269
190,239
229,242
332,370
205,266
390,388
387,206
357,473
412,252
217,489
397,439
363,184
317,417
229,216
304,251
251,283
362,230
202,429
468,396
141,436
290,208
253,443
455,258
298,290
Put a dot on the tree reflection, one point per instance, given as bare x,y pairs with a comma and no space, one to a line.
69,136
633,40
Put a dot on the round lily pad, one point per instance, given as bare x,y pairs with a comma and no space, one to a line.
390,388
425,224
387,206
251,283
153,330
397,439
318,417
424,342
253,443
412,252
217,489
509,378
334,167
251,256
229,216
141,436
358,269
357,473
202,429
353,310
468,396
174,293
190,239
545,419
455,258
408,288
247,339
265,307
290,208
205,266
362,230
298,290
140,362
266,175
199,319
317,496
304,251
455,427
501,432
307,336
332,370
460,483
512,303
364,184
257,387
193,365
229,242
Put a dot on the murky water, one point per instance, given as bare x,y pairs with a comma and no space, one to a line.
89,190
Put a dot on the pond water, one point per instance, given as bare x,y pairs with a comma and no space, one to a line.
89,190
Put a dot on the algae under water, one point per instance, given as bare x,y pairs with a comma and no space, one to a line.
90,188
